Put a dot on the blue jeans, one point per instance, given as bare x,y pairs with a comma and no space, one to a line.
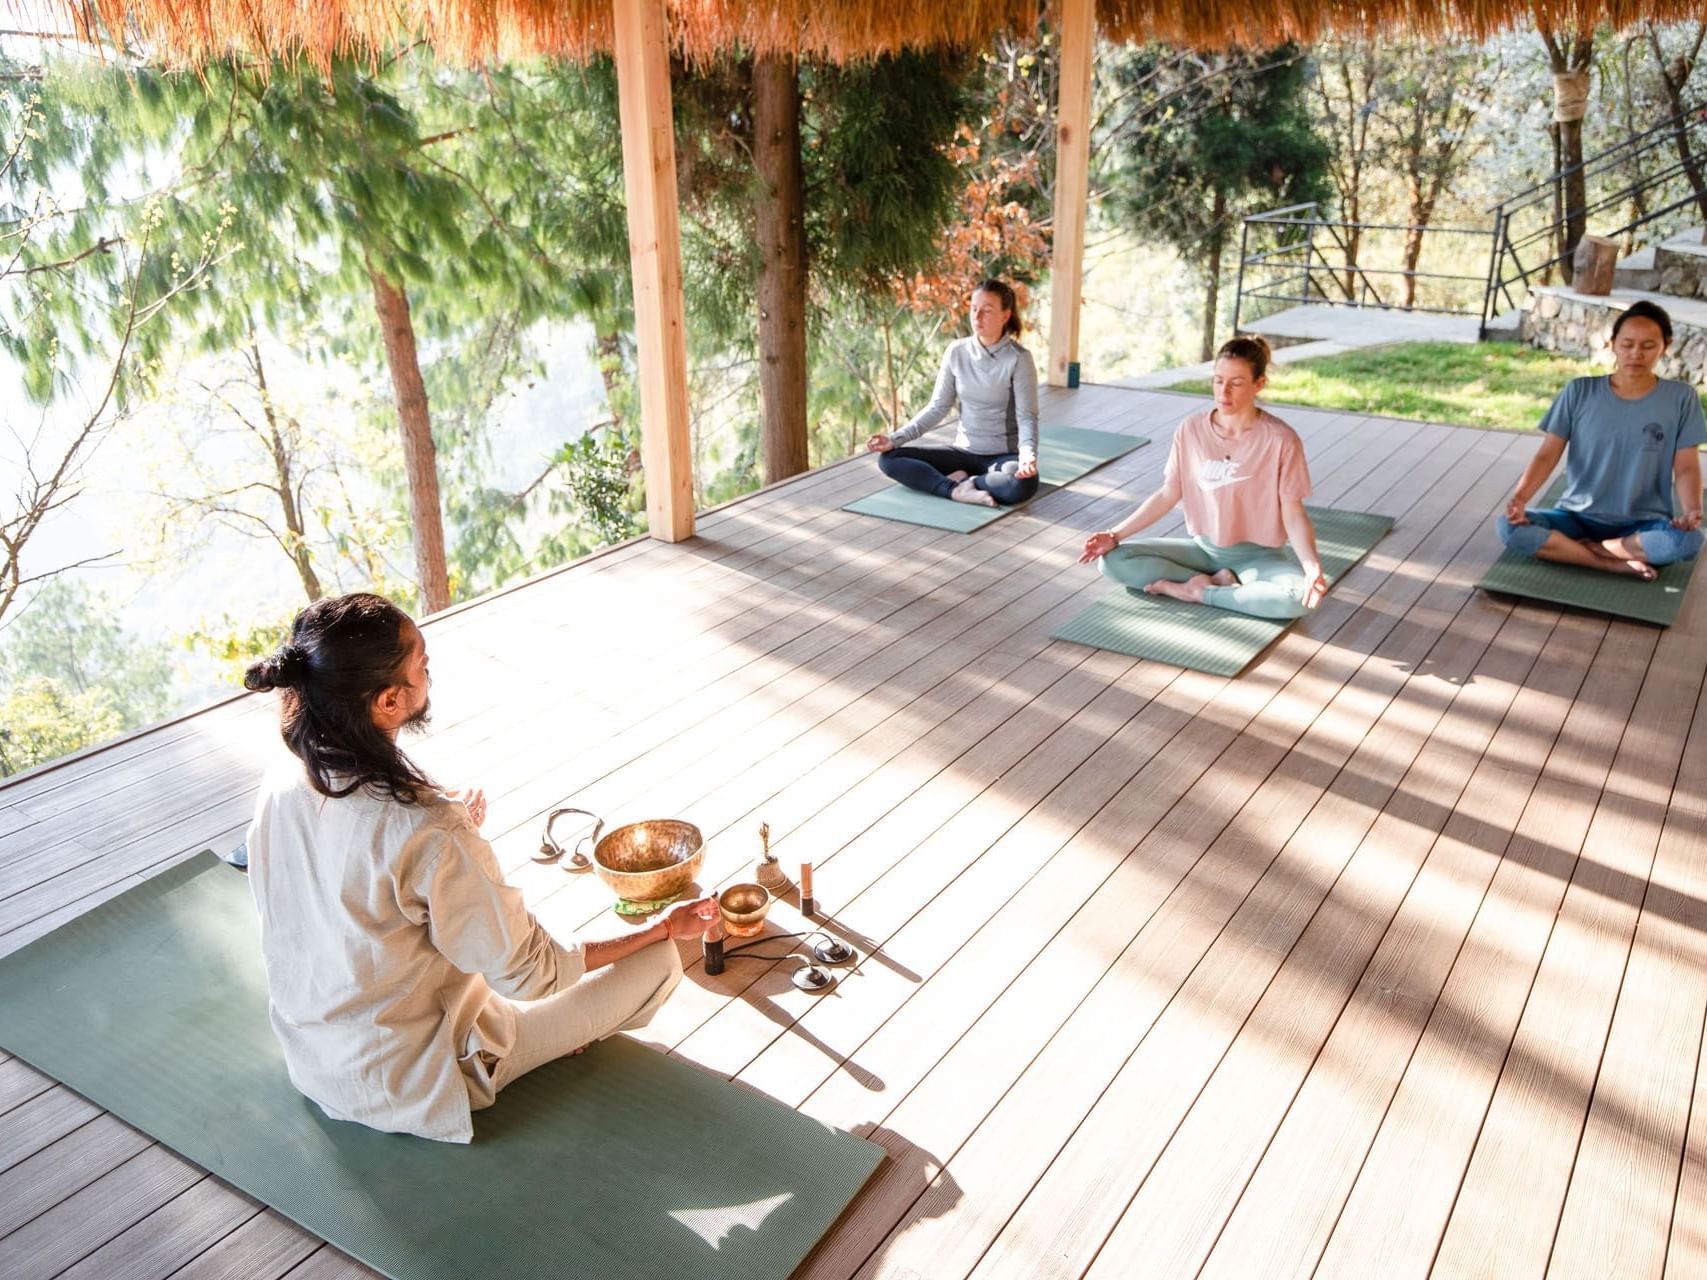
927,471
1661,544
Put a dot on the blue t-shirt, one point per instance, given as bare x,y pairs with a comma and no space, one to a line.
1619,455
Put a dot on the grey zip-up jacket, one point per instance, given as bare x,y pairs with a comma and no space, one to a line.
997,390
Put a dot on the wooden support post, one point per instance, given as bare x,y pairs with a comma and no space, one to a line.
655,252
1072,186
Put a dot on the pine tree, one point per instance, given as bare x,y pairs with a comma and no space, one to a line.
411,194
1200,141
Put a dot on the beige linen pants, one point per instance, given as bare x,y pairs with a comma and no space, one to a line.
512,1037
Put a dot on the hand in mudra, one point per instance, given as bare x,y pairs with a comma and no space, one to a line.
1098,544
1515,511
689,920
474,800
1315,587
1026,470
880,443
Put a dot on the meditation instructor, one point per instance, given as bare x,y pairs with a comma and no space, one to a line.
407,983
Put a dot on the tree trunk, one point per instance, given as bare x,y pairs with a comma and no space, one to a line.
1421,210
1353,239
1570,57
781,230
1576,190
1674,77
420,461
297,547
1212,300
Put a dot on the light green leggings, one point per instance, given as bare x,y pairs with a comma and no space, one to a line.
1271,583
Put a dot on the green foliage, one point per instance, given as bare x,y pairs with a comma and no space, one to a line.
1200,140
233,643
1503,385
598,473
880,185
43,719
71,634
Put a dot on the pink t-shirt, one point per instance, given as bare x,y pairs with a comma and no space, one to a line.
1232,488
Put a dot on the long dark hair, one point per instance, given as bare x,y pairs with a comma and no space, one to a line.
341,655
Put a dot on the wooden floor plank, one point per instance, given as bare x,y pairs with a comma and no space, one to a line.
43,1120
36,1184
1624,1185
1534,1124
1335,888
1392,1221
19,1082
75,1227
264,1247
1284,1215
173,1235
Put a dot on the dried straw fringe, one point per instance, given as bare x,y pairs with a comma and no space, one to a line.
839,30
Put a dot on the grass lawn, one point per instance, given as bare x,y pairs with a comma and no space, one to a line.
1505,385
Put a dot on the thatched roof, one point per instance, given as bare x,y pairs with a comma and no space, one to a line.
476,30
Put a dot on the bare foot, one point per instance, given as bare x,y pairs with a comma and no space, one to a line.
968,491
1223,578
1609,559
957,476
1191,590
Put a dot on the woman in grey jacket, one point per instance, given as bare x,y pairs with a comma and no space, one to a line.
994,458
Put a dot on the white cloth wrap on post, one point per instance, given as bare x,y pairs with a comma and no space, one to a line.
1570,96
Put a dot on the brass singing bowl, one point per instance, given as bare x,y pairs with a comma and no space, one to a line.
743,907
645,861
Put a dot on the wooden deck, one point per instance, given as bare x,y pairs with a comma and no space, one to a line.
1386,958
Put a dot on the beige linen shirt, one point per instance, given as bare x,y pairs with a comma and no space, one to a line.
390,940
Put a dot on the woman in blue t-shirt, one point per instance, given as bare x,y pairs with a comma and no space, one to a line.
1632,438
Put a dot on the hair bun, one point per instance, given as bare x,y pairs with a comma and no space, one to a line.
284,668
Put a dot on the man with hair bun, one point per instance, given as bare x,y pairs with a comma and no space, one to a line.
407,983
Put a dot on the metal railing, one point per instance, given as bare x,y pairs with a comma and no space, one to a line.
1627,180
1303,257
1654,181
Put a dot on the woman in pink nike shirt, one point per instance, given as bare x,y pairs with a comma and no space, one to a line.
1240,472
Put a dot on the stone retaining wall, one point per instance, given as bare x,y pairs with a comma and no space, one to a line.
1576,325
1681,272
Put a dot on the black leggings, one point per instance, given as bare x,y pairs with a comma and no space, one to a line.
927,471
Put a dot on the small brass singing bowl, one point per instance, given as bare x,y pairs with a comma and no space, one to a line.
743,907
646,861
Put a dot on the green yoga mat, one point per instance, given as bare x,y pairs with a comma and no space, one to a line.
1214,640
1659,601
1066,453
621,1162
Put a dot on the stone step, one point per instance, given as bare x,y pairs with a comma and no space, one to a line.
1637,271
1680,266
1505,327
